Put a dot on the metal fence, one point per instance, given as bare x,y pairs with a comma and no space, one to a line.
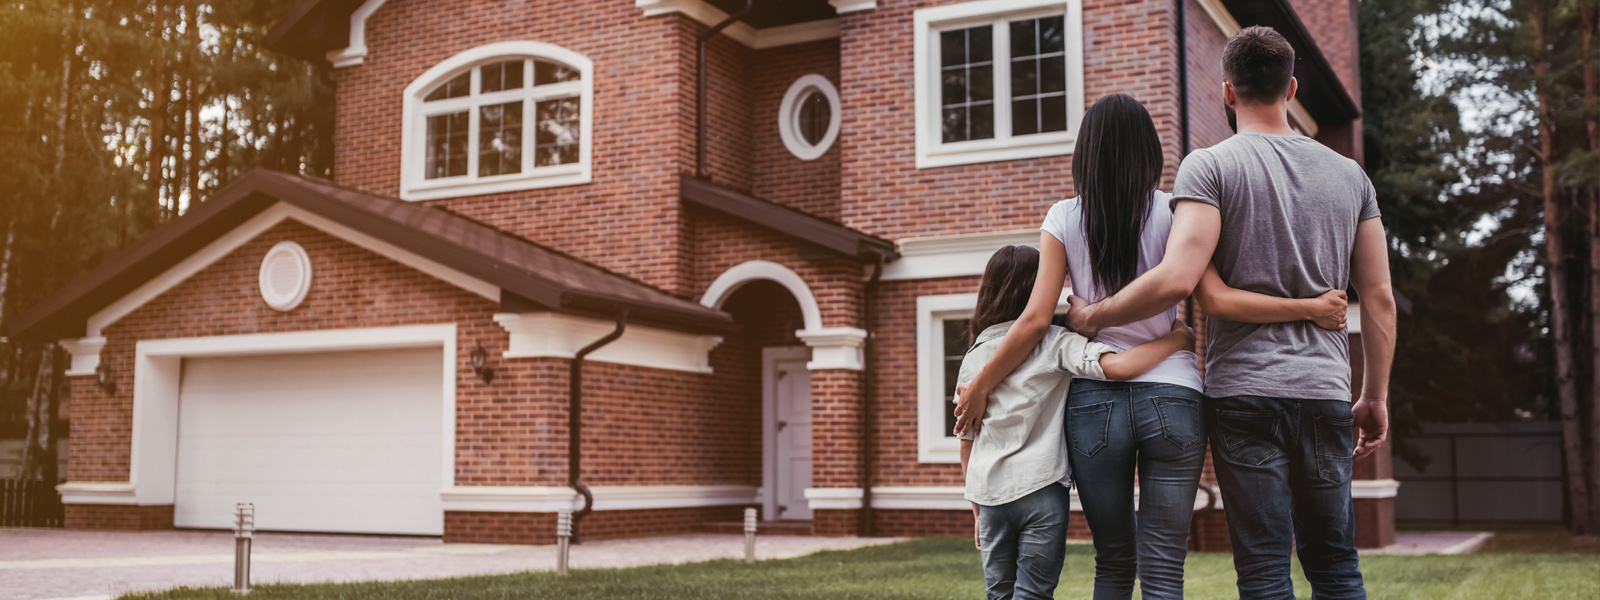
1484,473
27,503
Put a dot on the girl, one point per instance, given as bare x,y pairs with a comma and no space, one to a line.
1114,231
1018,455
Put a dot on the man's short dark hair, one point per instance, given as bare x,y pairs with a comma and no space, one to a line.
1259,62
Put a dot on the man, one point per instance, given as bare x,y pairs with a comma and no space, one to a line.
1279,214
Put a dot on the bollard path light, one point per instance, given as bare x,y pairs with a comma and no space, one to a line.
749,534
244,525
563,539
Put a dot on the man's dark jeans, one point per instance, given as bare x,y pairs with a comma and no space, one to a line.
1284,468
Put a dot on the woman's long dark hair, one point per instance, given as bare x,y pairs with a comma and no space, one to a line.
1115,165
1003,293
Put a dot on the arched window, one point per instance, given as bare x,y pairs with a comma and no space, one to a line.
498,118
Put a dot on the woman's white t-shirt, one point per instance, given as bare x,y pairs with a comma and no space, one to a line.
1065,222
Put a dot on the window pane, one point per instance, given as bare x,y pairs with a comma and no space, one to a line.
1038,76
447,146
815,117
556,136
546,73
501,76
457,87
967,84
500,139
954,345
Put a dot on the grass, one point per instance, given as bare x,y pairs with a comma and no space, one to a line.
946,568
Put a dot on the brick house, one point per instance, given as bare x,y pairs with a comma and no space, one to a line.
787,225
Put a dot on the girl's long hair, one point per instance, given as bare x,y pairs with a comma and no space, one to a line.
1007,284
1116,163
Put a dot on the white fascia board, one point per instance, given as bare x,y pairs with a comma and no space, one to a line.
558,498
750,37
952,255
548,334
259,224
95,492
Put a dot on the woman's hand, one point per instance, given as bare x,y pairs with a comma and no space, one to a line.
1328,311
1179,327
971,403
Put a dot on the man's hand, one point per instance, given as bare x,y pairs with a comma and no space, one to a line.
970,405
1328,311
977,537
1078,317
1372,424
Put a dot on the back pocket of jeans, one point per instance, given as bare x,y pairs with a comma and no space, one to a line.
1248,436
1088,426
1181,423
1335,447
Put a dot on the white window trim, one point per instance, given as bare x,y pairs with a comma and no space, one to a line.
296,253
789,117
934,444
931,151
414,184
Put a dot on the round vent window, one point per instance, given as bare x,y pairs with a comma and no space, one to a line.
285,276
808,119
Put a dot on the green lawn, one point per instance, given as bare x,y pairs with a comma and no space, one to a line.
948,568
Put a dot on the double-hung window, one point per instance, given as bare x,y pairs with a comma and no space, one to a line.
498,118
997,80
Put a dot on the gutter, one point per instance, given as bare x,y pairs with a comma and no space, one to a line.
869,296
575,421
700,93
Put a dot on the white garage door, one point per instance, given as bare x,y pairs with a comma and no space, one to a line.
338,442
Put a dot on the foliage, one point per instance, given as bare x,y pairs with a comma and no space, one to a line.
945,568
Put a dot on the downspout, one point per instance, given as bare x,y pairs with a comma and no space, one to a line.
700,169
1183,116
575,421
868,296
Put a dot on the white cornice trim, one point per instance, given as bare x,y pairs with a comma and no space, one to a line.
953,255
750,37
94,492
850,6
1374,488
257,225
834,347
356,52
1228,25
85,354
547,334
557,498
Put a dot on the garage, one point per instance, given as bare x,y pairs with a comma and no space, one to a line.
347,442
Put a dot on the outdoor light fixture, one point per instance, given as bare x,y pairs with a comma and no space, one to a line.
480,364
102,376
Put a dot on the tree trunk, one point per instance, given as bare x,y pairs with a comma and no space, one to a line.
63,107
38,444
5,270
1555,263
1591,102
158,118
192,102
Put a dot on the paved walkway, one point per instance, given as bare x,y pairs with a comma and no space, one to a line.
51,563
1444,542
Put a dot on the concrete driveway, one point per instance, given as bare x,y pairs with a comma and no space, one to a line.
57,564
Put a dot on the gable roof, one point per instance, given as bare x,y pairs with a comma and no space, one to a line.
1321,92
530,276
820,232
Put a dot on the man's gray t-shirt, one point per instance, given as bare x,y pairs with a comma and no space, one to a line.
1289,207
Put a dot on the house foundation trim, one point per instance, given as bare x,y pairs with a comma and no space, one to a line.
97,492
1361,489
538,499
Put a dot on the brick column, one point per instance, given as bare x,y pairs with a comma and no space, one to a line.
836,451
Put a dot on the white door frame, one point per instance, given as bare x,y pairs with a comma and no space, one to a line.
158,368
769,423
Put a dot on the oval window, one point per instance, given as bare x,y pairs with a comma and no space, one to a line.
808,119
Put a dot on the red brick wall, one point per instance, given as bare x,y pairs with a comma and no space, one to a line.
469,527
119,517
1128,47
625,218
894,364
812,186
1208,116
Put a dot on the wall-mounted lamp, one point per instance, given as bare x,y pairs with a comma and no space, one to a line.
480,364
102,376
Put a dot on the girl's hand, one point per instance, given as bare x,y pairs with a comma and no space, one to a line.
971,403
1182,329
1328,310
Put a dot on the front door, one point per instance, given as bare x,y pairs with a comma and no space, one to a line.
789,427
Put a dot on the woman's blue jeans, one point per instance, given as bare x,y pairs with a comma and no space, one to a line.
1112,429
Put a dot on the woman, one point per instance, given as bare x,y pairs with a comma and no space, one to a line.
1114,231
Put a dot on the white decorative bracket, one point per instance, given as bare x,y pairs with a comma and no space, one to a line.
85,354
834,347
